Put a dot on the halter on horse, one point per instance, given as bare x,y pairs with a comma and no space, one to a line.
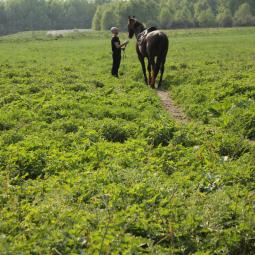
152,44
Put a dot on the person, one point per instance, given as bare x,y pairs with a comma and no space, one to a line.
116,51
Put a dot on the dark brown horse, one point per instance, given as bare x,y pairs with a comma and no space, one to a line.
152,44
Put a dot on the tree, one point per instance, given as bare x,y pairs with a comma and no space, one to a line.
109,18
224,19
184,15
96,22
243,15
79,14
98,2
3,20
34,14
204,14
165,18
224,14
20,15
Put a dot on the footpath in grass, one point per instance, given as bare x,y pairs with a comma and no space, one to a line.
174,110
94,165
212,76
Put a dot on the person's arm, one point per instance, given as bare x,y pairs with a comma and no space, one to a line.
117,45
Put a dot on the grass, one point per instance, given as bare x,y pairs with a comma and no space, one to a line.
219,73
94,165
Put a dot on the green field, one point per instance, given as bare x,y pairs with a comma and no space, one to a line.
90,164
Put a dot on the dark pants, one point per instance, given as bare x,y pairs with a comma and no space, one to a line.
116,58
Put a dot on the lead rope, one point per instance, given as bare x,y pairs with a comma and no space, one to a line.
124,65
124,53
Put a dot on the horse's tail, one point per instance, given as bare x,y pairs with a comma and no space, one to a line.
157,44
164,44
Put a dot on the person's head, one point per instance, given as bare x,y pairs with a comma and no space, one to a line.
115,31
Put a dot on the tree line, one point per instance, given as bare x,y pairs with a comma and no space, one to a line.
20,15
177,13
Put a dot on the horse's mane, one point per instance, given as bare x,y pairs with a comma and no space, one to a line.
137,23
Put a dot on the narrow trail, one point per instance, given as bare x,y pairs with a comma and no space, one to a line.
175,111
252,142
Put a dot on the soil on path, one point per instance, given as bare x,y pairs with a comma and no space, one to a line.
175,111
66,31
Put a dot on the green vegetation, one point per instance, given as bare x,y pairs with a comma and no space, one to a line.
177,13
26,15
90,164
220,76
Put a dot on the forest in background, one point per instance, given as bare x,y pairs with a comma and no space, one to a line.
24,15
177,13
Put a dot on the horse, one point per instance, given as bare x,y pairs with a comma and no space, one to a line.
151,44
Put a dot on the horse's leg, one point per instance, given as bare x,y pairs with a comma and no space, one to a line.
162,68
149,71
156,70
141,58
153,65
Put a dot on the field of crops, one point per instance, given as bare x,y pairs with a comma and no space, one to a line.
90,164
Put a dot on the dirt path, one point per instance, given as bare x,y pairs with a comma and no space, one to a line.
173,109
66,31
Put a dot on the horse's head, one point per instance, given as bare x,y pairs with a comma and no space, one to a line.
134,26
131,26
